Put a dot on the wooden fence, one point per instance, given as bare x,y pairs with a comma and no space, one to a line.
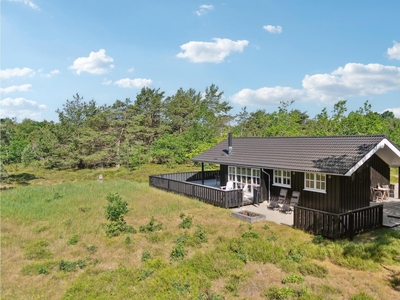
180,183
338,226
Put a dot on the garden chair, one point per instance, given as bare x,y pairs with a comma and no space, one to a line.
274,205
229,186
295,198
282,196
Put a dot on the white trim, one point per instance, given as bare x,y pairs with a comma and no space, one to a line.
380,145
281,185
314,190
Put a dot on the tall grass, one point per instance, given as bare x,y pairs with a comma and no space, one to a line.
54,246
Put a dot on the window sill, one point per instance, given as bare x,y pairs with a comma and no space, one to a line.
315,191
281,185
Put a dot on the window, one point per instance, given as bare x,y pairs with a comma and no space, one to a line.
282,178
315,182
240,176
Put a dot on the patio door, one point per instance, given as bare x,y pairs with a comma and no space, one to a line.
242,175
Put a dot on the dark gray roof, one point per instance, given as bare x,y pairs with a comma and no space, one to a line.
333,154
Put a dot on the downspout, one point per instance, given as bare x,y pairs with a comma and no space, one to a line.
269,185
202,173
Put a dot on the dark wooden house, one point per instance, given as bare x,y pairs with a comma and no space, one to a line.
333,174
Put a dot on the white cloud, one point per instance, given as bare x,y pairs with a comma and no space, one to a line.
204,9
352,80
52,73
394,52
267,96
16,72
16,88
27,2
20,108
273,29
106,82
214,52
130,70
133,83
96,63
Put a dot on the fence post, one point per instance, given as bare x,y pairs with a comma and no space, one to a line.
351,225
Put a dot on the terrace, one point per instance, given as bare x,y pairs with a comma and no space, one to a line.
204,187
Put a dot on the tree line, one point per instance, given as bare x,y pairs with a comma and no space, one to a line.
168,130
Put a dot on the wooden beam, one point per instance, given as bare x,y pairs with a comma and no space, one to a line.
202,173
398,184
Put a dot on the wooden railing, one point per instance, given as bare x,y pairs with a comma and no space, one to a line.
338,226
177,183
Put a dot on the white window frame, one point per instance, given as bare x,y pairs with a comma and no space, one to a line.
282,178
315,182
242,175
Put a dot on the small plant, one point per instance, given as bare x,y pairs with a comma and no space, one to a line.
249,226
180,286
251,234
69,266
144,274
178,252
43,271
294,255
92,249
294,278
115,211
145,255
200,234
151,227
318,239
265,227
73,240
187,222
128,240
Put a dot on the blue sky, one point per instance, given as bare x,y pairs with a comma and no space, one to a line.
257,52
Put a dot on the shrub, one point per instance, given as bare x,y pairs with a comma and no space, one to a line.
91,249
178,252
294,278
200,235
68,266
318,239
151,226
115,211
294,255
232,285
186,221
251,234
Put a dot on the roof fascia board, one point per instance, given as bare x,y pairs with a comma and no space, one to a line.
380,145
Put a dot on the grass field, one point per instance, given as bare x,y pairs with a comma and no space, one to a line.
54,246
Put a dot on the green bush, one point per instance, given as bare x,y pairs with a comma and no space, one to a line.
187,222
293,278
69,266
208,295
115,211
145,255
275,293
151,226
178,252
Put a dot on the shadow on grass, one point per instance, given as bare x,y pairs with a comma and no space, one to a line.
22,178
